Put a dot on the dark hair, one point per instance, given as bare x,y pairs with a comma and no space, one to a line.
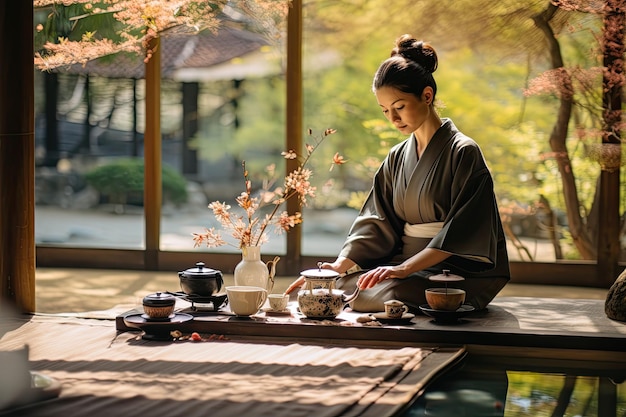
410,67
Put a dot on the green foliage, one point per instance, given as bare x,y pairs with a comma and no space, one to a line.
544,389
260,138
484,98
119,177
259,135
484,69
357,199
174,186
72,22
481,93
125,177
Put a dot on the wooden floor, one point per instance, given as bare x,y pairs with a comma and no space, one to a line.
61,290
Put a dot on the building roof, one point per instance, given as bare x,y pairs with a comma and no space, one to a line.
179,51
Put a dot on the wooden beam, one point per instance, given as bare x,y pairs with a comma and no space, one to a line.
294,123
609,228
17,156
152,157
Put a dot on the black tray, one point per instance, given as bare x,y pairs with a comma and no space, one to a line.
443,316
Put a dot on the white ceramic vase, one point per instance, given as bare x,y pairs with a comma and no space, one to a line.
251,271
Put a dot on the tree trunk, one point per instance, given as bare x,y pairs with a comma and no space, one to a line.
609,227
582,239
552,226
565,396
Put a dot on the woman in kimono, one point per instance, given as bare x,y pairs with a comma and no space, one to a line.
432,205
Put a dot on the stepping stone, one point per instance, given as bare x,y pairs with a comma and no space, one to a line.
615,305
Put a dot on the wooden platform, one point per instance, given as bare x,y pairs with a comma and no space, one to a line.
576,326
275,365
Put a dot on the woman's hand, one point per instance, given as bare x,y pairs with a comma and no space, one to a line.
341,265
420,261
379,274
297,284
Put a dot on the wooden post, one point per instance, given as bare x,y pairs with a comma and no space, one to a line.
294,123
609,222
152,157
17,156
190,127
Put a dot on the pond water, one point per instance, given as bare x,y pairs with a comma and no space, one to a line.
513,387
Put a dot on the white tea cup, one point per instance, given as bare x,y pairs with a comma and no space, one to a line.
245,300
278,302
395,309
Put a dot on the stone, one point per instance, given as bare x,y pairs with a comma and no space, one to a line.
615,305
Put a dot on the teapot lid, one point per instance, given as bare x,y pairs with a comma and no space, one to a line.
200,271
319,273
159,299
446,277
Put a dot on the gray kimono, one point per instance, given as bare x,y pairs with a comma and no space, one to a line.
450,184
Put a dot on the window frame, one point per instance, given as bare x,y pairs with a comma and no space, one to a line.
572,273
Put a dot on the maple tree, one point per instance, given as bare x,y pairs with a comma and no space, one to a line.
77,31
579,42
569,85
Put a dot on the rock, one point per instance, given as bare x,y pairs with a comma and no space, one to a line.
87,198
615,305
365,318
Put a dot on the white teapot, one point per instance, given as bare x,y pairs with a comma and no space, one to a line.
320,299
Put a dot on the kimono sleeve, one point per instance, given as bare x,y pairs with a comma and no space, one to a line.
375,235
471,226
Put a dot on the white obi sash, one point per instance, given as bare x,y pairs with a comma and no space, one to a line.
429,231
422,230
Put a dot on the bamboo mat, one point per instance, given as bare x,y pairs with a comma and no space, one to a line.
104,372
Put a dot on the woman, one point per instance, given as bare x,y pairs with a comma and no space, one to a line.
432,206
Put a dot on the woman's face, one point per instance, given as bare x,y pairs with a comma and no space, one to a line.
404,110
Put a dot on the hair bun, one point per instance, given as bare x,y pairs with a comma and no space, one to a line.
422,53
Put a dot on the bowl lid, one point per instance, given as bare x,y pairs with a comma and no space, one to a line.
446,277
159,299
200,271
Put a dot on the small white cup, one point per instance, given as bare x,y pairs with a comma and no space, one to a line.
278,302
395,309
245,300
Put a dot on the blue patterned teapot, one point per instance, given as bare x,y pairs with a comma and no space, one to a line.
320,299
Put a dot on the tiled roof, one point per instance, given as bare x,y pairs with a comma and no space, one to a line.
201,50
